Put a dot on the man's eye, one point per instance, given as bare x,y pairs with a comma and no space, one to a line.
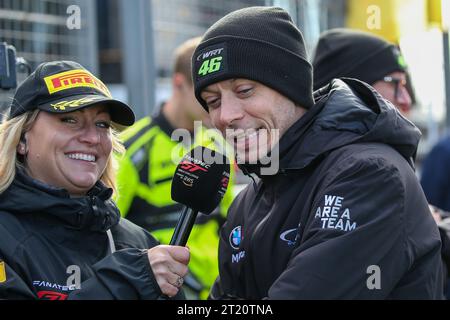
213,103
245,91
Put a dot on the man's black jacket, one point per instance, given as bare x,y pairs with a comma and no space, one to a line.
344,217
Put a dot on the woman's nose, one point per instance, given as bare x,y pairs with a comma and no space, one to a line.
90,134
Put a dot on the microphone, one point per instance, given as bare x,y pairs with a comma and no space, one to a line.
200,182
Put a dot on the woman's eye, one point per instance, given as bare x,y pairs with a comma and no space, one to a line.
68,120
104,124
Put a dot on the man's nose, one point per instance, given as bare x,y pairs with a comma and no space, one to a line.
230,111
403,99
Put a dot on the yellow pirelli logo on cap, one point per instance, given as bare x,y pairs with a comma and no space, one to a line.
74,79
2,272
62,105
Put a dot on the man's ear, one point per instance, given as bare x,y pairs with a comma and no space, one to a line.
178,81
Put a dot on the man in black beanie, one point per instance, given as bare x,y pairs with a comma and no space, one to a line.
343,215
369,58
361,55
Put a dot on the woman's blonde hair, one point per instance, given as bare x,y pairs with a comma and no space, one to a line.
11,131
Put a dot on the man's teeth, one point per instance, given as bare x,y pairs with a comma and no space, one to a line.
82,156
247,134
254,133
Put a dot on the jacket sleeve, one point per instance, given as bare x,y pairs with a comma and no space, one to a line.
12,286
354,243
126,275
217,293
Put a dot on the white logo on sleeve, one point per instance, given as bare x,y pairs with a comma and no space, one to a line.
290,236
333,215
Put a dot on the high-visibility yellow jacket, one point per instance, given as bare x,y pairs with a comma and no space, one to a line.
144,194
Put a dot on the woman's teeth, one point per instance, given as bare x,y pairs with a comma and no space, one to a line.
82,156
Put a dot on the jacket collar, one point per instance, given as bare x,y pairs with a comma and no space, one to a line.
95,211
164,124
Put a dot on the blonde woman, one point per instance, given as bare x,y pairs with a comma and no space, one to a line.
61,235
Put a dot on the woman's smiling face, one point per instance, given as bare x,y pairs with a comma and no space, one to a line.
69,150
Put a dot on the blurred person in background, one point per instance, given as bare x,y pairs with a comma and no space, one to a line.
146,171
435,178
361,55
344,201
61,235
435,181
366,57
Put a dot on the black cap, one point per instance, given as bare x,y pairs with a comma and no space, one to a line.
256,43
354,54
66,86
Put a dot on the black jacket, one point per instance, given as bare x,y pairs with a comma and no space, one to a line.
345,217
56,247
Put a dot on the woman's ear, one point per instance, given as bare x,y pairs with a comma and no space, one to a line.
21,149
22,146
178,81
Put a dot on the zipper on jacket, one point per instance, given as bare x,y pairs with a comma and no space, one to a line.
111,245
94,206
257,228
79,218
96,212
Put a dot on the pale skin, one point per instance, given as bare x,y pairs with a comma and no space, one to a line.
71,151
248,106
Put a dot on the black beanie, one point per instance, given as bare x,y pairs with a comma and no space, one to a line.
256,43
354,54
